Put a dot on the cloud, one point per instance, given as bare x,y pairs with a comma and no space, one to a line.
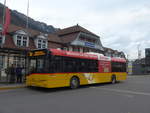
121,24
133,29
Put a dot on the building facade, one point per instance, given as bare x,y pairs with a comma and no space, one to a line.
113,53
15,46
79,39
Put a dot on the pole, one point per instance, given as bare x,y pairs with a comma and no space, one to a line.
8,76
4,10
26,53
27,23
139,52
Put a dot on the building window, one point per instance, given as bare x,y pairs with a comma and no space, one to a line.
1,62
39,44
22,41
42,44
76,49
65,48
1,39
81,50
85,50
18,40
70,48
87,39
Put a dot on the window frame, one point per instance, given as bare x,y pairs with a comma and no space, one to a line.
20,42
42,44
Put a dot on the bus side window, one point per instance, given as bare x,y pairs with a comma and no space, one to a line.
118,67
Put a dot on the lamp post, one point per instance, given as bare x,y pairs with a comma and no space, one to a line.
139,51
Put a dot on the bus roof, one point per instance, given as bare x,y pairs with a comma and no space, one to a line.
94,56
85,55
73,54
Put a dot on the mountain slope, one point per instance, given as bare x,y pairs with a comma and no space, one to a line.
20,19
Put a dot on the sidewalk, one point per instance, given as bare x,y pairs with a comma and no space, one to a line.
6,86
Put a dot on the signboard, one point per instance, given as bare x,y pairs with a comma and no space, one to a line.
89,44
36,53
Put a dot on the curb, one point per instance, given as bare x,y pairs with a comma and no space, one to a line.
11,87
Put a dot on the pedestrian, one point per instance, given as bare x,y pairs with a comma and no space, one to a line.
23,74
11,72
19,74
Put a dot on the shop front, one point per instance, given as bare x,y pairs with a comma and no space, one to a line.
10,57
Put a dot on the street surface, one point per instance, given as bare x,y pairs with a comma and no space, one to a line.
131,96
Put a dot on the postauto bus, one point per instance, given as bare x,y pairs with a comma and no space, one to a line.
51,68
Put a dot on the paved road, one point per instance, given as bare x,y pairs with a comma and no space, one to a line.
131,96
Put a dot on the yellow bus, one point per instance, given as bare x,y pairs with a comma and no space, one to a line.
51,68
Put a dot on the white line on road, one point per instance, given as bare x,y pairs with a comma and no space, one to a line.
124,91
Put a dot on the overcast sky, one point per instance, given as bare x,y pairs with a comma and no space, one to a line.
122,24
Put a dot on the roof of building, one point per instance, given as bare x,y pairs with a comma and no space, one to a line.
54,38
9,43
69,38
74,29
13,28
33,33
108,49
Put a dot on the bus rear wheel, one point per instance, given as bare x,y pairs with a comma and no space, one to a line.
113,79
74,83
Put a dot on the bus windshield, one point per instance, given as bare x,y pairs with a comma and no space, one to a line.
37,64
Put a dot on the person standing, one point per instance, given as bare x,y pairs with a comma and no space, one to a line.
11,71
19,74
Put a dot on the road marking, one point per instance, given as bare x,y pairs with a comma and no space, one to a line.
124,91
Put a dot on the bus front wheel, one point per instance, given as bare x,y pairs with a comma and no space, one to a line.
74,83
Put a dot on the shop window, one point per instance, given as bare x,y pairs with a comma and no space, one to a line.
18,61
